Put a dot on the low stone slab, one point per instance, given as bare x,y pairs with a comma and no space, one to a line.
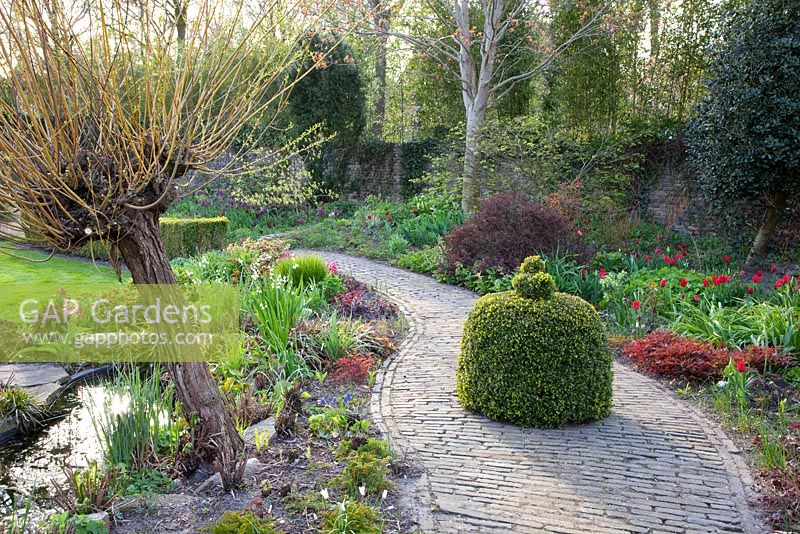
32,374
8,429
265,430
45,393
251,470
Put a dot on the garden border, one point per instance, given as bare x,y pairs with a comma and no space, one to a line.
427,508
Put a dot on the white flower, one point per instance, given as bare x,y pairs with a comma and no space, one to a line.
88,231
325,494
362,490
722,383
385,494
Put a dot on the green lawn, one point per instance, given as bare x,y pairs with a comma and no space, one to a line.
56,270
21,278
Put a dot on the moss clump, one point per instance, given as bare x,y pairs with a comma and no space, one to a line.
305,503
242,523
535,357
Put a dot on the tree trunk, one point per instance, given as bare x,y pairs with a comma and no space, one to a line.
381,22
198,393
471,193
777,202
180,19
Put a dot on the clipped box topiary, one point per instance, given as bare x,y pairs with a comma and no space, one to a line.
535,357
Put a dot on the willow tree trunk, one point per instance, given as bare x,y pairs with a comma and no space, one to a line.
777,203
198,393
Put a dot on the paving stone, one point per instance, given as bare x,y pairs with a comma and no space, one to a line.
655,465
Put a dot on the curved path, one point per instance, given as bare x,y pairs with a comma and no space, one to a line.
655,465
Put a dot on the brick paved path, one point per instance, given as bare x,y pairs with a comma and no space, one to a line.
655,465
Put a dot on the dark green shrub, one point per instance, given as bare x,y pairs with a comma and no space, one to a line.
352,517
541,361
242,523
302,270
745,138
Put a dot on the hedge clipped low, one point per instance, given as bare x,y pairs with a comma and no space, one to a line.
188,237
535,357
181,237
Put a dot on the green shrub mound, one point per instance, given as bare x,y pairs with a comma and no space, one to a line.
535,357
302,270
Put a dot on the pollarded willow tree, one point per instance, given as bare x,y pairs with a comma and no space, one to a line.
488,64
103,115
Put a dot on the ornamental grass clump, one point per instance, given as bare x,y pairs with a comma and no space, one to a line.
535,357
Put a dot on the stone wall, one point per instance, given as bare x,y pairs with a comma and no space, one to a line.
382,176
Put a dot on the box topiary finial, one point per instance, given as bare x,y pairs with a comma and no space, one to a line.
532,265
532,282
539,286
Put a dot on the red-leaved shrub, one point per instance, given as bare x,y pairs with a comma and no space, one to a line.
667,355
505,230
352,369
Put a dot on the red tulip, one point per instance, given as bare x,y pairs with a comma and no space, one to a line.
757,278
388,219
580,232
697,298
706,283
683,282
750,290
636,304
663,282
647,259
602,273
726,259
741,366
